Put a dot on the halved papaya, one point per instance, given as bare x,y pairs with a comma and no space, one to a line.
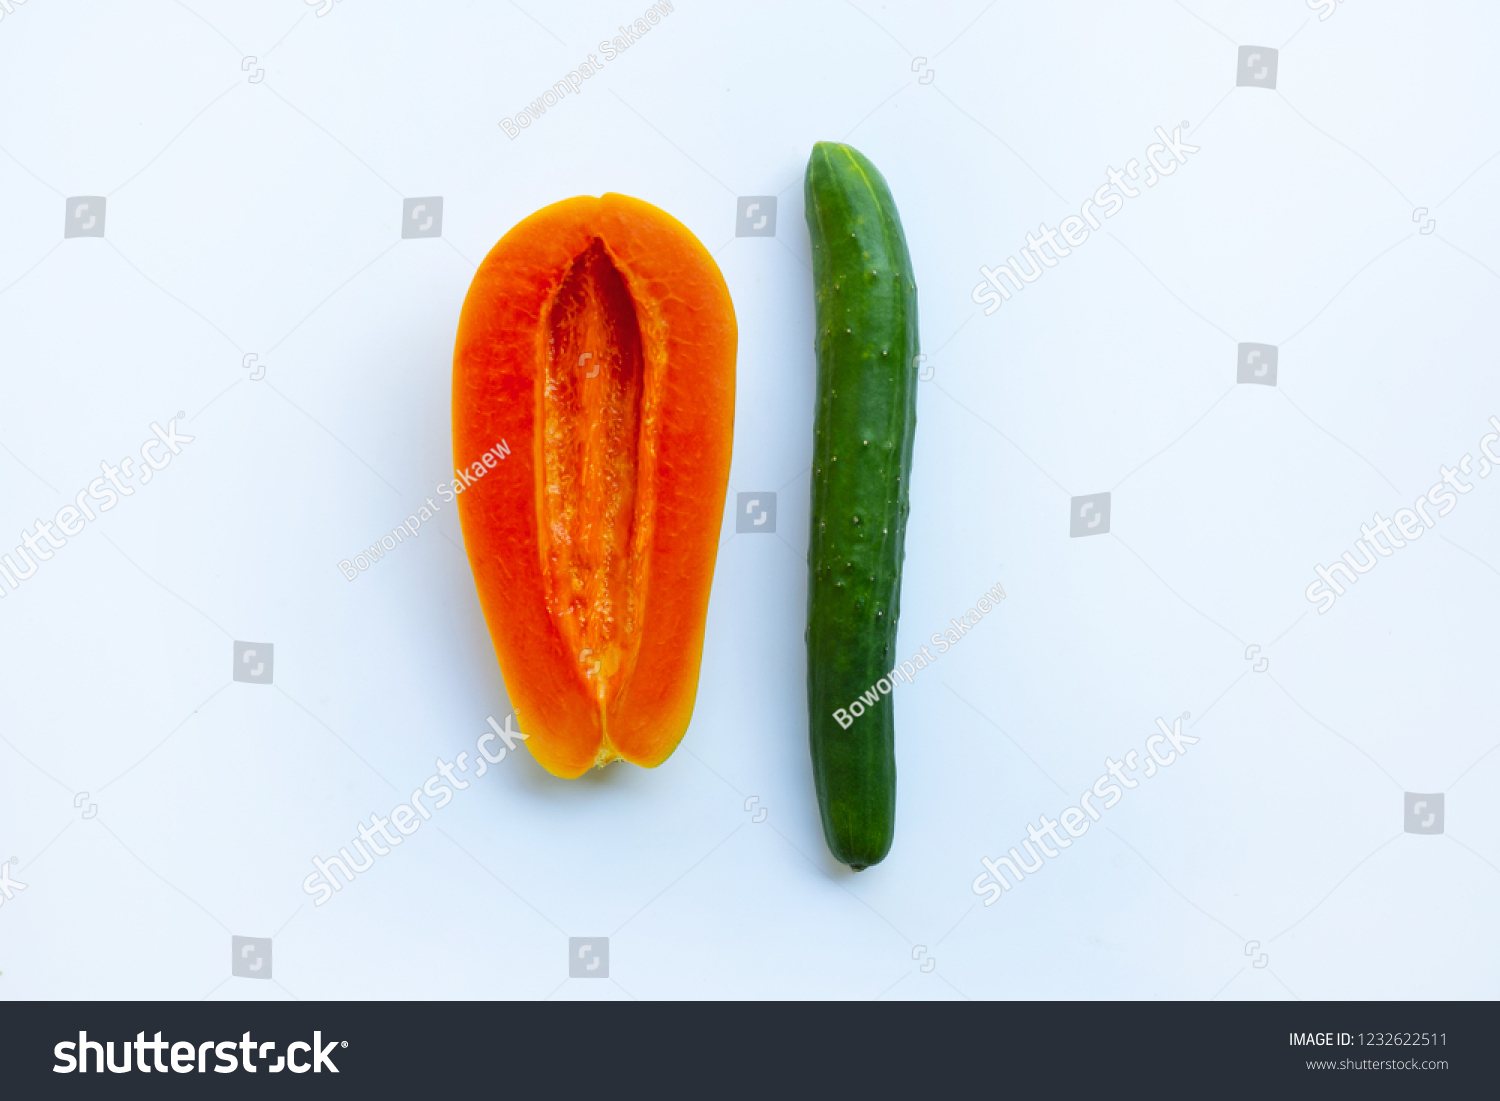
598,342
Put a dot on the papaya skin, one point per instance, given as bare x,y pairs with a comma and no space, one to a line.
598,340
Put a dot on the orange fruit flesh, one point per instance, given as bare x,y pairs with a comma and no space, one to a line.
598,340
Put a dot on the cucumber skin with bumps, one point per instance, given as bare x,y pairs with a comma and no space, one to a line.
864,424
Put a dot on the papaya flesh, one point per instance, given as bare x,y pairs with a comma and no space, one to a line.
598,341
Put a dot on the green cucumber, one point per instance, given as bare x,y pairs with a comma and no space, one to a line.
866,418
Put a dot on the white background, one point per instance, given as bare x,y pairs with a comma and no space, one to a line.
265,218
